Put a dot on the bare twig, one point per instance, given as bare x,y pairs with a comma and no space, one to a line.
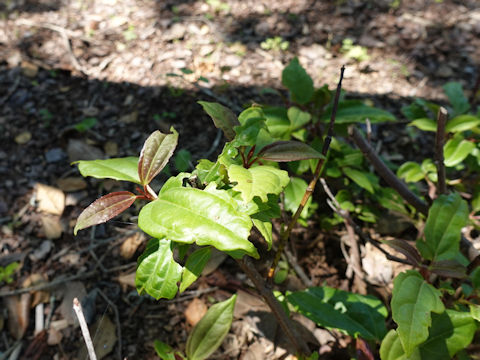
308,192
439,141
84,327
297,268
249,269
386,173
117,321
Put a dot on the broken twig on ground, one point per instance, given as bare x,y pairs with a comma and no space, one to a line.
77,307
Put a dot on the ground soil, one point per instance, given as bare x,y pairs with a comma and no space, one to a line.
123,63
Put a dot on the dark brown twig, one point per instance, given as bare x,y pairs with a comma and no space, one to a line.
386,173
439,141
308,192
249,269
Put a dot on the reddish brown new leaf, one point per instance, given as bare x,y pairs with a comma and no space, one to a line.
156,152
105,208
411,253
448,268
282,151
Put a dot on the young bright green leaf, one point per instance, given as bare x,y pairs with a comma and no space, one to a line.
297,117
194,267
446,218
359,177
158,273
208,172
252,120
210,331
282,151
223,118
182,160
190,215
354,314
293,196
392,348
164,351
104,208
456,150
123,169
156,152
424,124
411,172
413,301
278,124
457,98
462,123
355,111
257,181
265,228
296,79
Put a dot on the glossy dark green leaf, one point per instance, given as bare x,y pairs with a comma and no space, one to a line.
414,111
223,118
446,218
194,267
355,111
354,314
158,273
411,172
207,217
282,151
210,331
457,98
413,301
456,150
425,124
156,152
182,160
123,169
359,177
296,79
462,123
104,208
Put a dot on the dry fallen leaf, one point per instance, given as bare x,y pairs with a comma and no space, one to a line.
71,290
50,199
129,118
131,244
195,311
29,69
23,137
51,226
40,296
73,183
126,280
18,307
105,338
54,337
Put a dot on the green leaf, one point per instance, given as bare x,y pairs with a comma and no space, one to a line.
194,267
157,272
294,194
156,152
282,151
360,178
413,301
411,172
446,218
354,314
257,181
252,120
462,123
104,208
265,228
297,117
182,160
86,124
207,217
123,169
164,351
457,98
392,349
456,150
425,124
355,111
277,122
296,79
210,331
223,118
414,111
208,172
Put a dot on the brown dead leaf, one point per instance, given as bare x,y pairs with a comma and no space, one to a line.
54,337
73,183
50,199
129,118
105,338
126,280
29,69
38,296
51,227
18,307
131,244
71,290
23,137
195,311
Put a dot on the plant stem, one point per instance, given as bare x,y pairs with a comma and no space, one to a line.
285,234
285,323
439,141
